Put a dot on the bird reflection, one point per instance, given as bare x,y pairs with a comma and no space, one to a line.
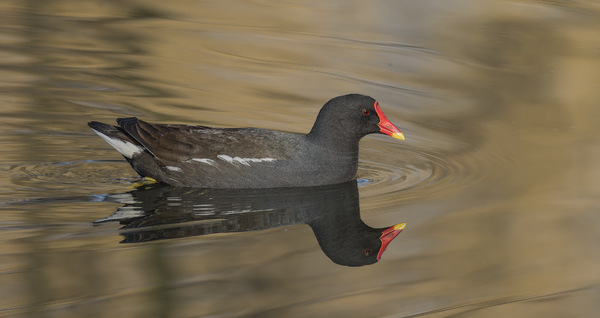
163,212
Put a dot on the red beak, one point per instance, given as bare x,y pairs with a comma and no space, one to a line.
388,235
386,126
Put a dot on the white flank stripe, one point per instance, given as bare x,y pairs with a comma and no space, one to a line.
173,168
241,160
125,148
204,160
244,161
226,158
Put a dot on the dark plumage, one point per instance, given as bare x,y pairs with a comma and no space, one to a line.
207,157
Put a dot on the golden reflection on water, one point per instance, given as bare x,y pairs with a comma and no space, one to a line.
497,179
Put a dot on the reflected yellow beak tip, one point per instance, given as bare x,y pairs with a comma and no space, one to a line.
398,135
399,226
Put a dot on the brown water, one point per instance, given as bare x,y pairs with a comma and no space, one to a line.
497,180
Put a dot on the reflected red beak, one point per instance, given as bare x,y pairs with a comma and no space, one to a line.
388,235
386,126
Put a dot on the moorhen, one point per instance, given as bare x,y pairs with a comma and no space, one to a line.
207,157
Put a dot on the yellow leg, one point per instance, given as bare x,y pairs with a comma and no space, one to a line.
144,182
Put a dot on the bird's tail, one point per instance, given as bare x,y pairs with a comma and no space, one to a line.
117,138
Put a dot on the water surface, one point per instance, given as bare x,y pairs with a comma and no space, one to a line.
497,180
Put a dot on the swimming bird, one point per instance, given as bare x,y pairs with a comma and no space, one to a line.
209,157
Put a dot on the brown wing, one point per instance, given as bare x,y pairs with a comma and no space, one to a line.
177,143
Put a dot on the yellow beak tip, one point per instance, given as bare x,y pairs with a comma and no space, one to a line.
399,226
398,135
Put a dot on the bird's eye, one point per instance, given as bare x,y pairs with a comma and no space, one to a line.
368,252
366,112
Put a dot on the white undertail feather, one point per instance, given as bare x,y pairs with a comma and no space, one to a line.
125,148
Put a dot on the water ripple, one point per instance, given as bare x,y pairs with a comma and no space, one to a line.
53,175
404,174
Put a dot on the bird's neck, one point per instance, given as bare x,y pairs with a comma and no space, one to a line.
334,139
